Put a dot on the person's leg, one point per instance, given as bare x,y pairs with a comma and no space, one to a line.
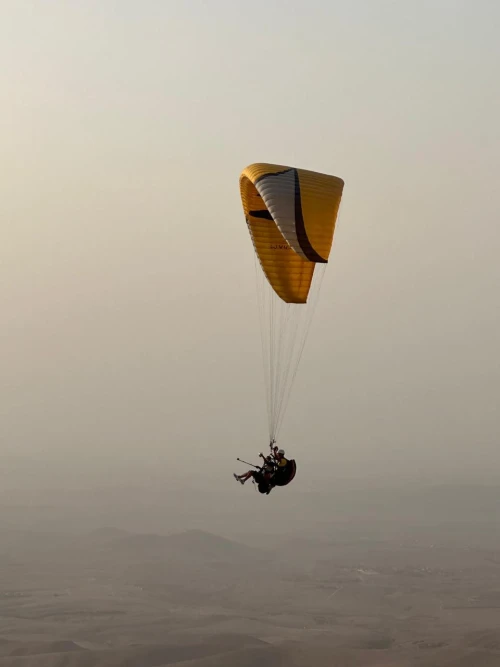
243,478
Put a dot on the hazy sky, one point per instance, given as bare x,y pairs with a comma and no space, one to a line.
129,322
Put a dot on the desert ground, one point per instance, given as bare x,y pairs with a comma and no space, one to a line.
347,577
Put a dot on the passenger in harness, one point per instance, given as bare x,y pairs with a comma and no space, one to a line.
263,476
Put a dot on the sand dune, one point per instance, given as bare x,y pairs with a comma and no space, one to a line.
27,648
146,656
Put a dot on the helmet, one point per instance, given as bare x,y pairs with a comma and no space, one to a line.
281,452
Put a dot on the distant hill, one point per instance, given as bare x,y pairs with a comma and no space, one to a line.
193,545
106,534
189,564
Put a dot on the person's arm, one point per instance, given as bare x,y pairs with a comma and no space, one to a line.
266,459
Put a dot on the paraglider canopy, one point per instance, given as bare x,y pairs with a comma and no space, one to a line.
291,215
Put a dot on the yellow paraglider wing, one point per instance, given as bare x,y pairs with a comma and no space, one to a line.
291,215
